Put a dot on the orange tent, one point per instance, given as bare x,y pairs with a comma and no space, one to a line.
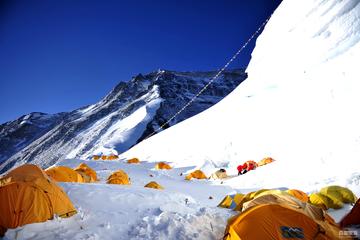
118,177
88,174
265,161
153,184
196,174
133,160
112,157
353,217
103,157
273,221
162,165
96,157
64,174
298,194
28,195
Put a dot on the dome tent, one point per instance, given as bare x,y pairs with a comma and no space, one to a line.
28,195
88,174
118,177
154,184
162,165
198,174
64,174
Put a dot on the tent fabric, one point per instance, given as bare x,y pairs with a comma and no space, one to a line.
133,161
298,194
154,184
103,157
353,217
320,200
219,174
198,174
308,209
162,165
265,161
226,202
231,201
118,177
64,174
251,195
273,221
338,193
88,174
112,157
28,195
96,157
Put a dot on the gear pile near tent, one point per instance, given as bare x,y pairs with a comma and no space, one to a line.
118,177
28,195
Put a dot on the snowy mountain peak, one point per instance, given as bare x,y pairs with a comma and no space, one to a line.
128,114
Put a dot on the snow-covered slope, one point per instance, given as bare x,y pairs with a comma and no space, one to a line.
299,104
128,114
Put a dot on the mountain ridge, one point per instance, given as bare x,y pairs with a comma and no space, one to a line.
149,100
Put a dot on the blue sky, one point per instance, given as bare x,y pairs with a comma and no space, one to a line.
60,55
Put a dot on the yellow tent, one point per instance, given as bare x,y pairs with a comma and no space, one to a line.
298,194
196,174
118,177
153,184
28,195
64,174
288,200
252,195
88,174
231,201
133,160
320,200
274,221
162,165
265,161
338,193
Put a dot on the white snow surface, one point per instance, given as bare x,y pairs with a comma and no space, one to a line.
298,105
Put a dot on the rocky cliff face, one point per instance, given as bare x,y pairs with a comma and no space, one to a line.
127,115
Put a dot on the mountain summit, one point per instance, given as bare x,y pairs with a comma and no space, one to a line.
127,115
